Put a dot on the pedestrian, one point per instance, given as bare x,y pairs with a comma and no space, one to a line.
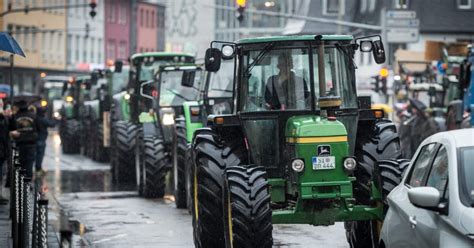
5,115
44,124
24,131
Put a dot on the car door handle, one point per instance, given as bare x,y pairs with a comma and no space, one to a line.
412,220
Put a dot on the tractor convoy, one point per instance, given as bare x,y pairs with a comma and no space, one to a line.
268,131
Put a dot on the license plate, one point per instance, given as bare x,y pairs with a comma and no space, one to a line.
324,163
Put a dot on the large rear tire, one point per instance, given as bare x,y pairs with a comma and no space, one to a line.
155,166
211,156
179,171
247,212
391,173
124,136
69,131
381,142
189,173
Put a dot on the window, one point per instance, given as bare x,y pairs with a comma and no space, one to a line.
112,12
111,49
92,50
438,177
122,50
33,39
77,59
421,166
464,4
100,58
332,7
69,49
141,17
122,14
401,4
152,17
84,49
147,18
26,37
465,172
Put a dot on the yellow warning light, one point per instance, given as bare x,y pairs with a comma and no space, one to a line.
241,3
44,103
69,98
110,63
383,72
43,74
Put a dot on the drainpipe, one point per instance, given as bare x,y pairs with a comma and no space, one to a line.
133,26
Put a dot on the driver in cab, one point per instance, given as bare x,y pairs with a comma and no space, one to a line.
286,90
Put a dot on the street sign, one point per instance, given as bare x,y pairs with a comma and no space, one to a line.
405,23
402,35
401,14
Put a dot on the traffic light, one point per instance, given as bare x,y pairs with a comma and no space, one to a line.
240,9
93,5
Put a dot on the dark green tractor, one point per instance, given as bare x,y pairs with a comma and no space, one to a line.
298,148
155,151
75,93
215,97
128,105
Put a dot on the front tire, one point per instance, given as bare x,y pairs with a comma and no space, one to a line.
155,163
211,156
247,212
179,171
69,131
124,137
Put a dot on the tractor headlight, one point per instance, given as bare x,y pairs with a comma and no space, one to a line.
168,119
126,97
297,165
57,115
350,164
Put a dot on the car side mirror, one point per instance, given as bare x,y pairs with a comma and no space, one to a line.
188,78
147,90
427,198
378,51
212,59
118,66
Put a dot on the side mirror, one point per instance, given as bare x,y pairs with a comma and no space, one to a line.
147,89
378,51
118,66
425,197
188,78
212,60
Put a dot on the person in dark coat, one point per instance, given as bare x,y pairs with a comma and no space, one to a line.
4,145
24,131
44,124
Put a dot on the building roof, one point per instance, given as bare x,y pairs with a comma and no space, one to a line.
293,38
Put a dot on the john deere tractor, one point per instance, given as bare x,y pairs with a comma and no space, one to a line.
155,152
75,93
129,105
298,147
215,97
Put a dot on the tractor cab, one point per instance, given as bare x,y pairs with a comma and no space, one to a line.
298,148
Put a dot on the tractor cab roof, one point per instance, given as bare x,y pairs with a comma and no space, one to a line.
160,54
293,38
181,67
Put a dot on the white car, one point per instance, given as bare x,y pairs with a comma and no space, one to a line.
434,204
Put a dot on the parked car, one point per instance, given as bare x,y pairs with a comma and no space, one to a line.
434,204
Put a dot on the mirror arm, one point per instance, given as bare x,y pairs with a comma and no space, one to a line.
143,93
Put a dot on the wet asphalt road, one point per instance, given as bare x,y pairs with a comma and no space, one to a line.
100,214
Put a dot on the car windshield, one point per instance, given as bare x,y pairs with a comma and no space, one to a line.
172,93
280,79
466,170
120,80
221,82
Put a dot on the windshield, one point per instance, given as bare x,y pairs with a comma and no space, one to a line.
150,65
119,81
466,170
54,93
172,93
221,82
280,80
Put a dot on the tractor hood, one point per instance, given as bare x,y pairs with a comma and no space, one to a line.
313,126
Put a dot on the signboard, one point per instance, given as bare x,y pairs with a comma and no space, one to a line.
402,35
402,26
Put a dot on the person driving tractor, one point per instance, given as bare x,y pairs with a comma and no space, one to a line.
284,91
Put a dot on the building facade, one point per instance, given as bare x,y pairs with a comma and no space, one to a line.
42,35
85,38
146,23
117,29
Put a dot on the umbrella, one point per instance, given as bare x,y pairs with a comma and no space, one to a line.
9,44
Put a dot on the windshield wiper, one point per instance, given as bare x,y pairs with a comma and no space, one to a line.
348,56
259,57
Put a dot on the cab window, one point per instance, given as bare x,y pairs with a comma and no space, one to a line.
438,177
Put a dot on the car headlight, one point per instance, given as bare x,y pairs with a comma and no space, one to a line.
168,119
297,165
350,164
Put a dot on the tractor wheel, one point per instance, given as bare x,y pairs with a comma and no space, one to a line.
247,212
124,136
155,163
179,170
69,137
381,143
101,152
189,172
391,173
211,156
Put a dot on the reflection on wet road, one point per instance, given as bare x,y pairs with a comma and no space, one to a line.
100,214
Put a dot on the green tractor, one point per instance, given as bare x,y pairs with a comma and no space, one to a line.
127,107
75,93
299,147
50,88
155,151
215,98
